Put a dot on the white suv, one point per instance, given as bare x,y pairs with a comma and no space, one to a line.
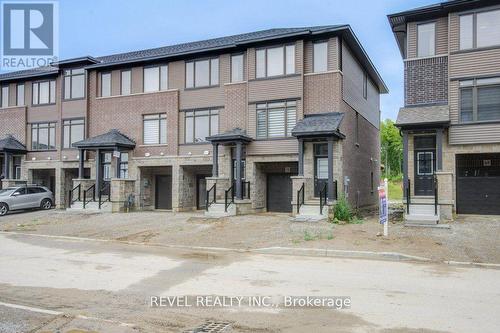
25,197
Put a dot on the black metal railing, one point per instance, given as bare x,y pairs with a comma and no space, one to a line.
228,197
209,201
435,195
322,198
86,195
72,199
105,192
245,187
300,197
408,196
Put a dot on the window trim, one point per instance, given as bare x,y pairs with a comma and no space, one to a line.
475,106
62,131
434,22
50,95
194,61
194,123
231,67
159,66
63,88
474,29
327,54
283,46
110,83
159,128
418,163
17,94
267,119
121,82
49,123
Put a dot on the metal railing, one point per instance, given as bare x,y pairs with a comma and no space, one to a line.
300,197
435,195
408,196
322,198
228,199
85,195
72,199
246,189
208,201
105,191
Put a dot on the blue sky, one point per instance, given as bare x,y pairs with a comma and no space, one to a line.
100,27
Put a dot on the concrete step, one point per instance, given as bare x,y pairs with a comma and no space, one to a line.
92,206
422,219
217,210
416,209
311,213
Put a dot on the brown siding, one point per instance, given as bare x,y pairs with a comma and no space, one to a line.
322,92
333,55
474,134
273,147
278,88
475,63
441,37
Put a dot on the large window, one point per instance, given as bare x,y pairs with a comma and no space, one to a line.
155,78
320,57
74,83
200,124
426,39
20,94
202,73
5,96
43,136
276,119
480,100
73,131
44,92
480,29
155,129
275,61
237,62
105,84
126,82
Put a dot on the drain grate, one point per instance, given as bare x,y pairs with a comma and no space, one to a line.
211,327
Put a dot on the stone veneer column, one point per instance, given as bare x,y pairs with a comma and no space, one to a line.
445,194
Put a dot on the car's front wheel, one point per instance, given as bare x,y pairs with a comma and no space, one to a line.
4,209
46,204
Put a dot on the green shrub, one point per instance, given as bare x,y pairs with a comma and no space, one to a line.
342,210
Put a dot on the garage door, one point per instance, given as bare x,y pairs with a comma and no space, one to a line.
478,184
279,193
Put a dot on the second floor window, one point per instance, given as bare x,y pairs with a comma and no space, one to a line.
126,82
426,39
202,73
200,124
155,129
43,136
237,62
105,84
276,119
320,57
73,131
44,92
5,96
74,83
275,61
20,94
480,100
155,78
480,29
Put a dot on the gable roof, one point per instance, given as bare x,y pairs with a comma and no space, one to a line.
11,144
222,43
319,125
111,139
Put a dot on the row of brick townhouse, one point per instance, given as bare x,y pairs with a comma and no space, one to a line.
281,120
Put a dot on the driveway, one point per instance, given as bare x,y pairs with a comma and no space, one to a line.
51,284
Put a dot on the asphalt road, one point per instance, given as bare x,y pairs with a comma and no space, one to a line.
50,284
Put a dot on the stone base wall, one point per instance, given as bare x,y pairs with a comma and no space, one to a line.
121,189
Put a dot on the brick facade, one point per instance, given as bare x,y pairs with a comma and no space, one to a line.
426,81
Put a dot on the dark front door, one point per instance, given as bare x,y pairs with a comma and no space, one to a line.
478,184
320,167
201,185
425,164
163,192
279,193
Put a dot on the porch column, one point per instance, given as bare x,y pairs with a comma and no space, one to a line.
330,170
215,162
98,172
405,161
6,165
439,149
239,148
301,157
81,156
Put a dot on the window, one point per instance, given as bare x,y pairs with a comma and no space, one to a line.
426,39
243,169
275,61
43,136
365,85
20,94
155,129
480,29
425,163
124,165
480,99
320,57
202,73
74,83
16,161
276,119
126,82
155,78
5,96
200,124
237,62
106,166
73,131
105,84
44,92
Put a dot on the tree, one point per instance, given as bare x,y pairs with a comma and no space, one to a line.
392,149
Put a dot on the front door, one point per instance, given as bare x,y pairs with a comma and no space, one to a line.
163,192
201,185
425,164
320,167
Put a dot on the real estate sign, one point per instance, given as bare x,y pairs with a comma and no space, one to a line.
383,209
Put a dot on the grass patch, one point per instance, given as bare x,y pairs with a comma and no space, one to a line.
308,236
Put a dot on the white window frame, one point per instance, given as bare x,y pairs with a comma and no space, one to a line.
286,49
193,114
122,91
317,44
109,91
475,33
162,73
241,72
161,121
433,49
418,163
70,75
70,123
213,73
52,92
